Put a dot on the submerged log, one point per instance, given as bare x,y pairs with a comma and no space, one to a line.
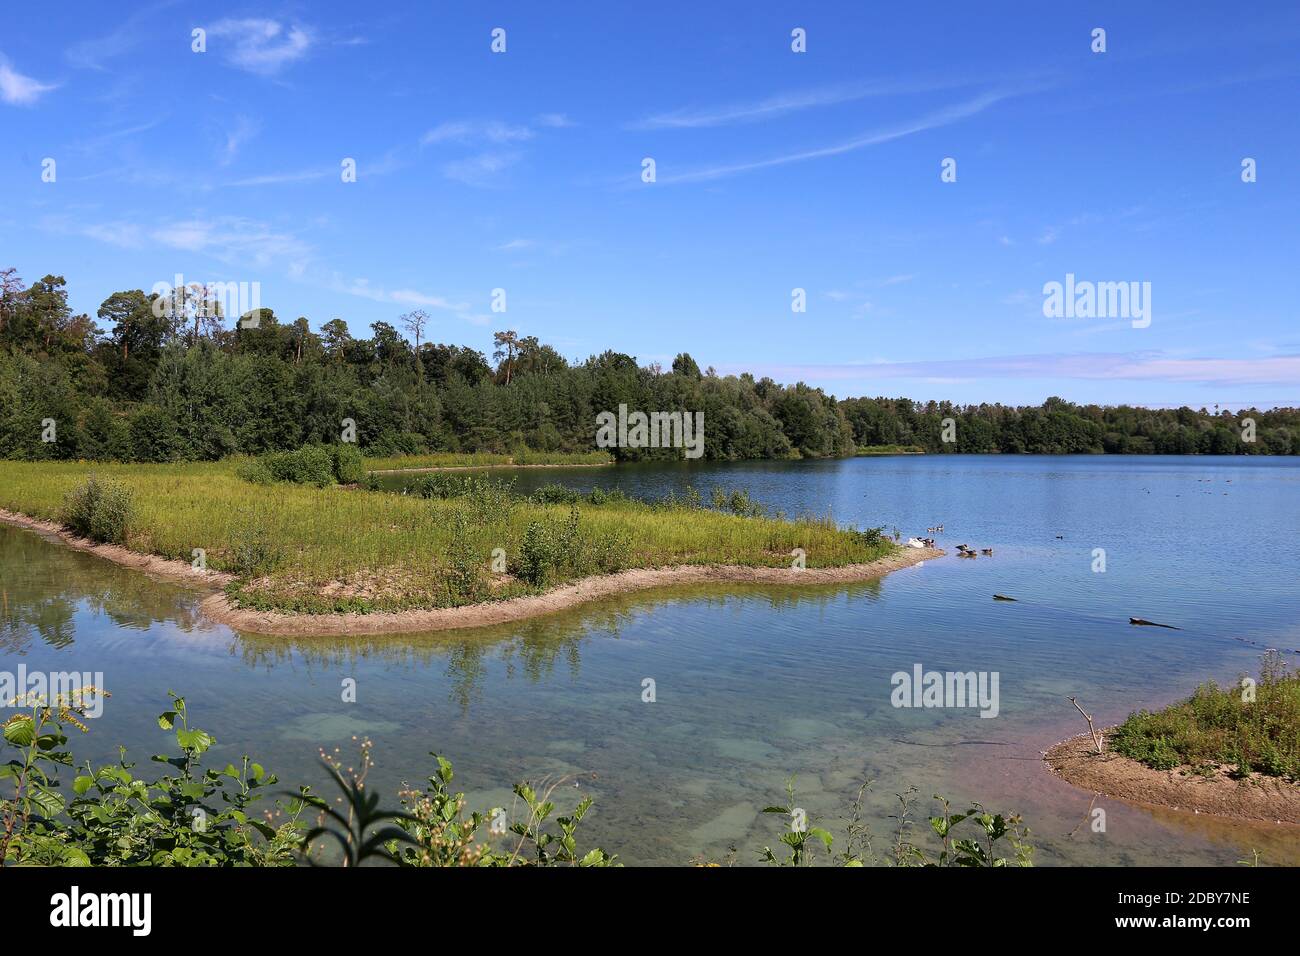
1138,620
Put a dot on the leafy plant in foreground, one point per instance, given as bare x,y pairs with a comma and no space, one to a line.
981,849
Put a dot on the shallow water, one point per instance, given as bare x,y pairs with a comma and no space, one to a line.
758,684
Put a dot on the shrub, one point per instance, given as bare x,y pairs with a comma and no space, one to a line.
737,502
554,494
255,470
489,499
464,580
536,554
252,552
310,465
871,537
550,549
99,509
349,466
608,551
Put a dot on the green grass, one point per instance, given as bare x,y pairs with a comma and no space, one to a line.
868,450
1215,728
487,460
303,548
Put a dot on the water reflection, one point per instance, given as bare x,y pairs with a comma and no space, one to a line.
531,649
755,683
41,596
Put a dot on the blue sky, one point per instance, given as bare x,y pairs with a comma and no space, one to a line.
775,170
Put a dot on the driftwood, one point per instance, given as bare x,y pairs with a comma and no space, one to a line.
1003,597
1096,735
1144,623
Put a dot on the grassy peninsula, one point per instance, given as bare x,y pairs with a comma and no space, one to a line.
293,547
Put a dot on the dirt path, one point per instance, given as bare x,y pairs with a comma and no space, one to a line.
1269,799
219,608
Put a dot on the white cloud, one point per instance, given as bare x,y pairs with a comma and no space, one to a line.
1280,370
19,90
782,103
261,46
362,288
243,130
272,179
554,121
943,117
474,131
231,239
480,170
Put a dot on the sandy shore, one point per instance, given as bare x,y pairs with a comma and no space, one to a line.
218,607
1269,799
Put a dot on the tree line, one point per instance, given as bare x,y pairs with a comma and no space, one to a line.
150,380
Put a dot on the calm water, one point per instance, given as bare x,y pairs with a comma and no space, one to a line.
755,685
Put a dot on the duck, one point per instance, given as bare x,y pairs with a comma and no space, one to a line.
988,551
967,554
963,548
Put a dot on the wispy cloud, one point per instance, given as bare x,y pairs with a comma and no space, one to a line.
934,120
554,121
1281,370
476,132
243,130
234,240
406,298
275,179
261,46
391,162
481,170
782,103
19,90
521,245
90,54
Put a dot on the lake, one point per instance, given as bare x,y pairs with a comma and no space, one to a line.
756,685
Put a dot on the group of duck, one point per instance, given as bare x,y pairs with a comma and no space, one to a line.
963,551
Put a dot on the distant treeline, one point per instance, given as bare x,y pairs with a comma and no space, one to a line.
151,380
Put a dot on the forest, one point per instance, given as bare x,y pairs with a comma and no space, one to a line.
155,378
